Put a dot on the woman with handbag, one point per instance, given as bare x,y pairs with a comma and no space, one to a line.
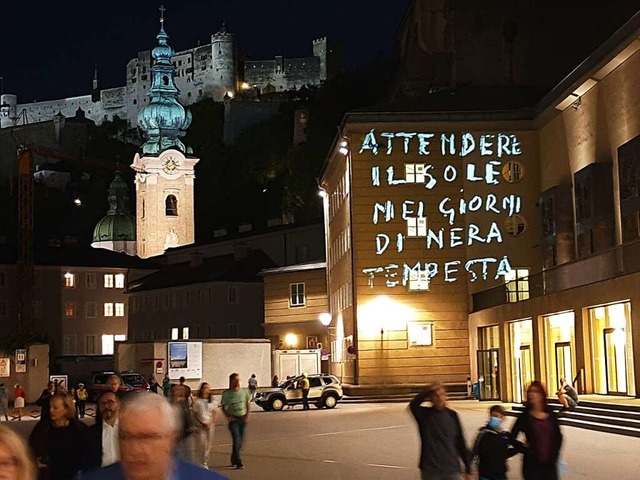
540,426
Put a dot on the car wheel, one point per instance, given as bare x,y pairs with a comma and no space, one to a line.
276,404
330,400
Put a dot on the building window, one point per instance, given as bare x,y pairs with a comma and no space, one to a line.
119,278
296,295
414,172
90,344
108,280
107,345
90,280
90,310
418,280
517,283
69,280
3,309
416,227
515,225
119,309
108,309
2,279
174,334
234,330
70,309
69,347
420,334
171,206
185,333
512,171
232,295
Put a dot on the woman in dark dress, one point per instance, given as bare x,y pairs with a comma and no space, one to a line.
540,426
59,444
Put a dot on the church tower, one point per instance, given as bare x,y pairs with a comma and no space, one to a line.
165,166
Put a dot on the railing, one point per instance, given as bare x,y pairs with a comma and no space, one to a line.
615,262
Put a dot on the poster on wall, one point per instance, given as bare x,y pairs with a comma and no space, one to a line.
185,360
21,360
5,367
60,380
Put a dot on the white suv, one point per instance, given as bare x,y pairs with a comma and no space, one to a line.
324,391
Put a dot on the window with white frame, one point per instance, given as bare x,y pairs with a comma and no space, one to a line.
69,280
418,280
108,280
69,346
174,334
185,333
119,309
90,280
296,295
119,280
414,172
517,283
420,334
90,344
108,309
416,226
107,345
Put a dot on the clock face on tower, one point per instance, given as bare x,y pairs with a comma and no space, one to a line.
170,165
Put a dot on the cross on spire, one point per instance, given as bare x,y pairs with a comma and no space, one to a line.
162,10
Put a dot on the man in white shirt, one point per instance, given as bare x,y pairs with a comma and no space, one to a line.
104,434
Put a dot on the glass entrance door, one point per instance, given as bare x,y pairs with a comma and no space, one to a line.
615,359
564,364
488,374
525,371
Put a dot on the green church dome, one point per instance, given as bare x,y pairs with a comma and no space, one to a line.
118,224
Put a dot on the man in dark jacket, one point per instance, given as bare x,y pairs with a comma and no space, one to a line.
443,444
493,447
44,401
104,447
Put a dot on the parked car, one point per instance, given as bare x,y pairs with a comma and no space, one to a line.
324,391
131,382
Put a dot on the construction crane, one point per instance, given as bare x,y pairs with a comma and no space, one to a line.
26,267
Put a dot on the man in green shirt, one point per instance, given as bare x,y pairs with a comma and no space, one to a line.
236,403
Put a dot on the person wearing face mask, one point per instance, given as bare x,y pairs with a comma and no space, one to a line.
492,447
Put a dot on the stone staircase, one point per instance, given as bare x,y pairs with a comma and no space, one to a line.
616,418
395,393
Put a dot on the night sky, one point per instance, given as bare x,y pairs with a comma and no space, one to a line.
48,48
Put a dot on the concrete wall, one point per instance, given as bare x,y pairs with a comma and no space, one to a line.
220,358
36,377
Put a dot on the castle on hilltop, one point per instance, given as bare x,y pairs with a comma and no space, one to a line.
206,71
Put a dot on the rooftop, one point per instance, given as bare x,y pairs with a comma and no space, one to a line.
300,267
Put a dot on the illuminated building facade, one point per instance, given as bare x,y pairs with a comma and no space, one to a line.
498,243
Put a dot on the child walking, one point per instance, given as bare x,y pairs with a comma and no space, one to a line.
492,447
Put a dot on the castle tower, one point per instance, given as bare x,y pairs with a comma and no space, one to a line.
224,63
117,230
164,166
320,51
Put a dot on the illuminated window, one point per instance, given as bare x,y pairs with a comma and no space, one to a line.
90,280
515,225
108,309
171,206
420,334
90,310
512,172
69,280
185,333
414,172
174,334
517,283
418,280
119,280
417,227
108,280
119,309
70,309
120,338
296,297
107,345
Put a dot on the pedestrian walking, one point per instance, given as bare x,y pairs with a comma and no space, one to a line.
253,386
305,391
15,461
44,398
493,447
4,402
104,449
154,386
236,403
205,414
166,385
81,399
443,443
74,397
18,400
180,397
541,428
567,395
60,443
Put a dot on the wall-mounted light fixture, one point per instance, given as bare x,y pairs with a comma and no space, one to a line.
344,146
